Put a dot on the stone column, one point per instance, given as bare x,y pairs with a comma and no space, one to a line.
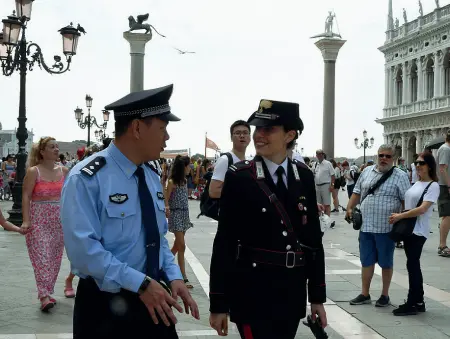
392,87
137,51
419,141
386,87
437,76
404,145
386,138
405,79
330,49
420,81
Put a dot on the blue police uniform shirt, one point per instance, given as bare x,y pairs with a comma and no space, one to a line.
104,239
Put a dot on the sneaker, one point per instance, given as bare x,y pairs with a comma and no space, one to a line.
361,300
405,309
420,307
383,301
335,210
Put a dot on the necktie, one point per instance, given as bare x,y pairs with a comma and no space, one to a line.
150,222
282,191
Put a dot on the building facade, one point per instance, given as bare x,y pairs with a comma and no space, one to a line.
9,142
417,84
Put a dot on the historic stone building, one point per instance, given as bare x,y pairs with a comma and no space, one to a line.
417,88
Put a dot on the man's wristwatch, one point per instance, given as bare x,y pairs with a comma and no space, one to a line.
144,285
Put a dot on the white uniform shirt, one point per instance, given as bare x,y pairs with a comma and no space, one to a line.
412,197
272,167
221,167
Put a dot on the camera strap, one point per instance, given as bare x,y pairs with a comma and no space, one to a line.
378,183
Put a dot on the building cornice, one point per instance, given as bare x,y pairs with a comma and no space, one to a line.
412,115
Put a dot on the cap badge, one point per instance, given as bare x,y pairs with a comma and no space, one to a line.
265,104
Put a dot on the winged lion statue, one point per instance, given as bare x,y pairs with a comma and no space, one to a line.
139,24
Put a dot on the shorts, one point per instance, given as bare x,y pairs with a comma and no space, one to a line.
323,194
444,202
376,247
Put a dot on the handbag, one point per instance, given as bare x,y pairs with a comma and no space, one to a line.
405,227
357,215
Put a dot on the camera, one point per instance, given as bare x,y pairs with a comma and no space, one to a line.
316,327
357,219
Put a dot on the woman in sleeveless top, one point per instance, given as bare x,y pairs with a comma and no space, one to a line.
41,221
178,205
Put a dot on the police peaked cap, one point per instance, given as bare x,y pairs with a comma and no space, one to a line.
277,113
143,104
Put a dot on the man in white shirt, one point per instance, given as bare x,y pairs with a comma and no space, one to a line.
413,174
324,177
240,136
294,155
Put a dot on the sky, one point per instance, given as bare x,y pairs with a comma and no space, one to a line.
245,51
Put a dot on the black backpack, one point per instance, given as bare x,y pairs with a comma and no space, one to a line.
355,175
209,207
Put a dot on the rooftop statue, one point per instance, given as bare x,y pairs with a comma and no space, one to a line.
328,28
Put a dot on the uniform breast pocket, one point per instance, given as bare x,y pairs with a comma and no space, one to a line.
121,224
161,216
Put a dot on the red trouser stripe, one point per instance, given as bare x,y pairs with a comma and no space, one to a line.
247,332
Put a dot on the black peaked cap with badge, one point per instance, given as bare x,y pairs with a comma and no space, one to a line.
277,113
143,104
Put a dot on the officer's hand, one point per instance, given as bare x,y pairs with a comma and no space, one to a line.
319,310
179,289
167,212
219,322
157,299
321,208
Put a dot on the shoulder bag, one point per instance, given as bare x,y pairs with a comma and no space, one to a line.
405,227
357,216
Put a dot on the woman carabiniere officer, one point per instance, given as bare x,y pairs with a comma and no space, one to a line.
258,268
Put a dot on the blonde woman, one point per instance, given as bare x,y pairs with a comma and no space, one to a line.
41,222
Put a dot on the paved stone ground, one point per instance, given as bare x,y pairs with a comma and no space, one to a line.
20,317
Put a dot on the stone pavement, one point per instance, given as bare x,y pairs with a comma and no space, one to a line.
20,317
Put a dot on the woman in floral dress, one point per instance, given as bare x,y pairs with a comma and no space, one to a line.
177,204
41,221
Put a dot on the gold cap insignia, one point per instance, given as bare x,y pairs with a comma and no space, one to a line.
265,104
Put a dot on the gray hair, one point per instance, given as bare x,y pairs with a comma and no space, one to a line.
387,147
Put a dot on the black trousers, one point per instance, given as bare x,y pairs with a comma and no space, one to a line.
413,246
121,315
268,329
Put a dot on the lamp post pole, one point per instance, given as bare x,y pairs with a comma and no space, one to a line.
365,144
90,121
19,55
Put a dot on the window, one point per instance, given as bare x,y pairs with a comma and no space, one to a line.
430,79
399,87
414,80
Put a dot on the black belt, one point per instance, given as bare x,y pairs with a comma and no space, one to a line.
289,259
326,183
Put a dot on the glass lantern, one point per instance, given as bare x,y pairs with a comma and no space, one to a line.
11,30
88,101
3,49
78,114
23,8
105,115
356,141
70,37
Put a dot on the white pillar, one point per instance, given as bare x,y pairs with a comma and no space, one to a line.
419,141
437,73
420,81
386,138
137,51
404,145
405,79
386,87
391,87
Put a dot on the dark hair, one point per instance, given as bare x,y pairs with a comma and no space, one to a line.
239,123
306,159
447,136
106,142
291,143
333,162
205,163
429,160
62,157
9,156
177,173
345,163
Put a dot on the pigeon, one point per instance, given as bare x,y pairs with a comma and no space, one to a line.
81,29
183,52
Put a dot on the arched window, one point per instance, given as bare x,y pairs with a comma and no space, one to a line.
447,74
414,80
399,86
430,78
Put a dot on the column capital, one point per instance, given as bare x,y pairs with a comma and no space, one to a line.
330,48
137,41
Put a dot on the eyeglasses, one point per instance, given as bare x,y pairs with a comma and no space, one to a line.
239,133
387,156
420,163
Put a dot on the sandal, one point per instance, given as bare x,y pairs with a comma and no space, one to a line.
53,300
45,307
444,251
188,284
69,292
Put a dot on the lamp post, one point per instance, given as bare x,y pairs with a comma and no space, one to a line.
101,135
90,121
365,144
16,54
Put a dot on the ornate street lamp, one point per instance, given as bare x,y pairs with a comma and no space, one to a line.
101,135
365,144
89,121
16,54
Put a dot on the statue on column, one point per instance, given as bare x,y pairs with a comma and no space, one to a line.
139,24
405,17
397,23
420,8
328,28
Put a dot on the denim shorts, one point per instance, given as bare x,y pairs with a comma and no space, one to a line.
376,247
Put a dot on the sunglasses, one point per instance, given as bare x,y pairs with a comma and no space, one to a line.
420,163
387,156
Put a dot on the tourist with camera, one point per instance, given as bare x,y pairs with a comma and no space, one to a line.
380,191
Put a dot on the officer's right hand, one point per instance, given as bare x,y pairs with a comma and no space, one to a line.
156,298
219,322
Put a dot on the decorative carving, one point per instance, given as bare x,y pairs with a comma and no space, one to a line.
397,23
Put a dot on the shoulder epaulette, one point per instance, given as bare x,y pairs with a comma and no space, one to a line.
300,164
241,165
93,167
153,167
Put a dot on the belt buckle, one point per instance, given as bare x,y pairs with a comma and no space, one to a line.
293,259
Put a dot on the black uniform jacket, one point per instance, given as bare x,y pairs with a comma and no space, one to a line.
251,290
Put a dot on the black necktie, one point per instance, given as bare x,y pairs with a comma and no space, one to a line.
152,240
281,187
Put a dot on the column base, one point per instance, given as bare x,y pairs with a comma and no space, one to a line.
15,213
